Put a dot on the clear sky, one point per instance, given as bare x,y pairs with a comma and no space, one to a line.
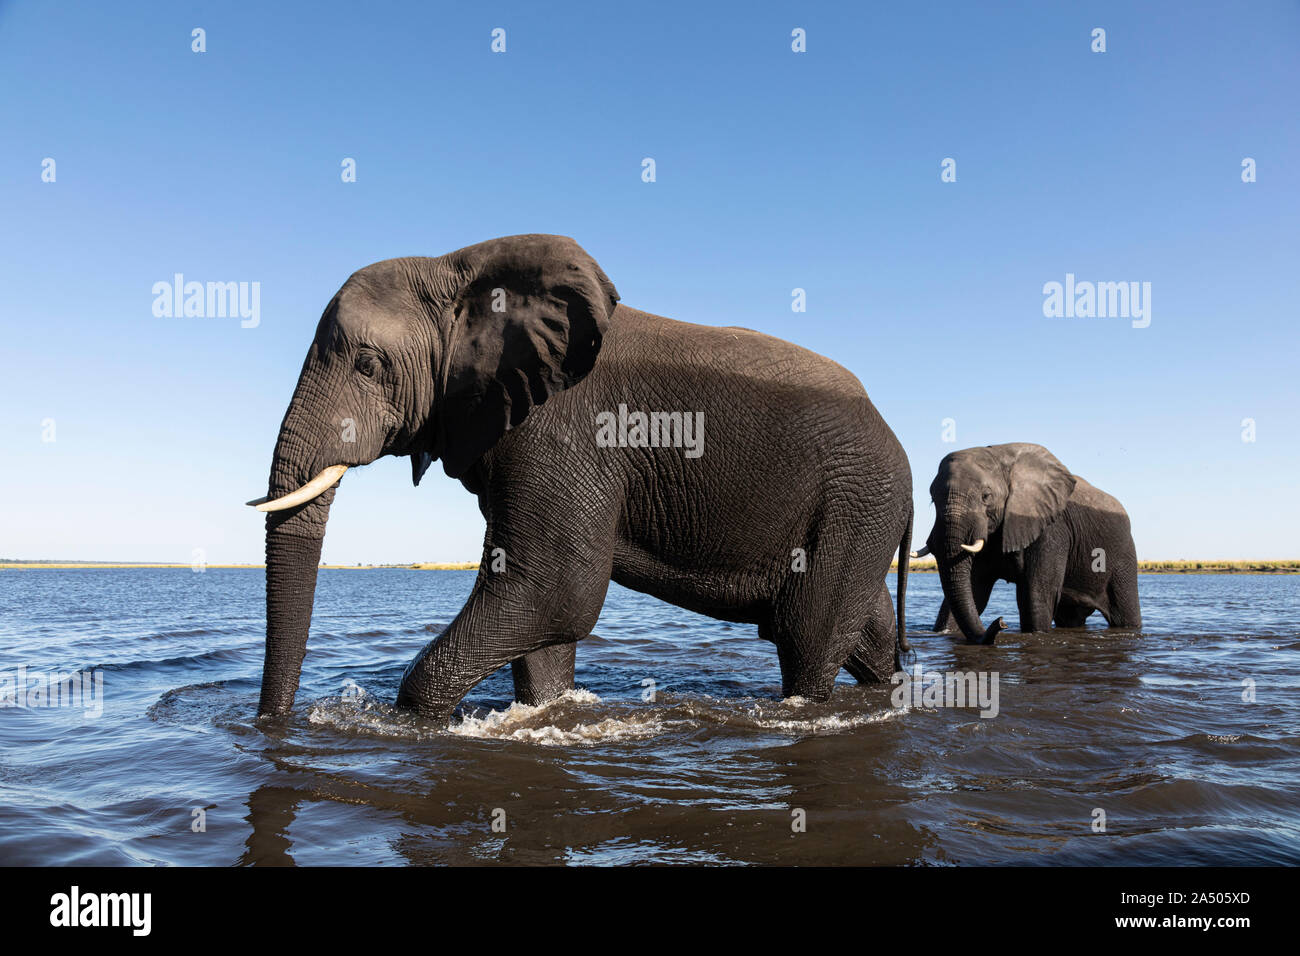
775,170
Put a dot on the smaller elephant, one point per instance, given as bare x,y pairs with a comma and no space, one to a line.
1014,513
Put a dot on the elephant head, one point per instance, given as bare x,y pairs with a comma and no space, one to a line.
1000,497
426,357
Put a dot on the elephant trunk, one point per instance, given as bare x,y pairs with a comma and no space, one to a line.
291,564
958,522
955,577
293,547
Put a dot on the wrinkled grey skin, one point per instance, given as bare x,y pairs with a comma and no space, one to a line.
795,457
1040,526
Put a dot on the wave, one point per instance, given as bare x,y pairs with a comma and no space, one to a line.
541,724
579,717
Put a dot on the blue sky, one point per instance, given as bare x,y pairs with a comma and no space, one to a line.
775,170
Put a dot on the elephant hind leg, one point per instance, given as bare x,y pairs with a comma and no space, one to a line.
1125,609
811,655
805,675
544,675
872,660
840,609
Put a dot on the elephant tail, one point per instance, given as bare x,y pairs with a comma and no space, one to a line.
904,554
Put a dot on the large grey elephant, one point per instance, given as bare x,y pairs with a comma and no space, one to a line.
1015,513
580,426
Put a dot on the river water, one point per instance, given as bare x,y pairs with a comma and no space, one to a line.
1176,745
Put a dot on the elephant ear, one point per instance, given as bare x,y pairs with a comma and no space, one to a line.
1040,488
527,321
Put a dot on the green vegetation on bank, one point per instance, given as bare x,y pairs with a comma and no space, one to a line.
1219,567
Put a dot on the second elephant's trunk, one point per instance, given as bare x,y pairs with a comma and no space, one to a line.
955,577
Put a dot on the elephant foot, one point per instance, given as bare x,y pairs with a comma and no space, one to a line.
423,696
991,635
429,712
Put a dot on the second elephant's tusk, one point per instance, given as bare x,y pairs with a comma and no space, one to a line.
306,493
975,548
925,549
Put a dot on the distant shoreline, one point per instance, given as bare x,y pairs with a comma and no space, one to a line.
101,565
920,567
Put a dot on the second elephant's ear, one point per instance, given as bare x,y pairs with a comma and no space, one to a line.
1040,488
526,322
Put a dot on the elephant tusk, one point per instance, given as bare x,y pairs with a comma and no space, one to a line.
306,493
925,549
975,548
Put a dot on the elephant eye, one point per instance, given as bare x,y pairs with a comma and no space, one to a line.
988,495
367,365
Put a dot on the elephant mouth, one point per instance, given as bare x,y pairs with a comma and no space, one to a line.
299,496
325,479
975,548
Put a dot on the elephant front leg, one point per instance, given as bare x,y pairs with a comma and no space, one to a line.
1039,590
445,671
534,622
944,622
544,675
1035,609
466,653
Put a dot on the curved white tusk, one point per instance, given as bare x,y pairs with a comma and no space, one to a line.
925,549
306,493
975,548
